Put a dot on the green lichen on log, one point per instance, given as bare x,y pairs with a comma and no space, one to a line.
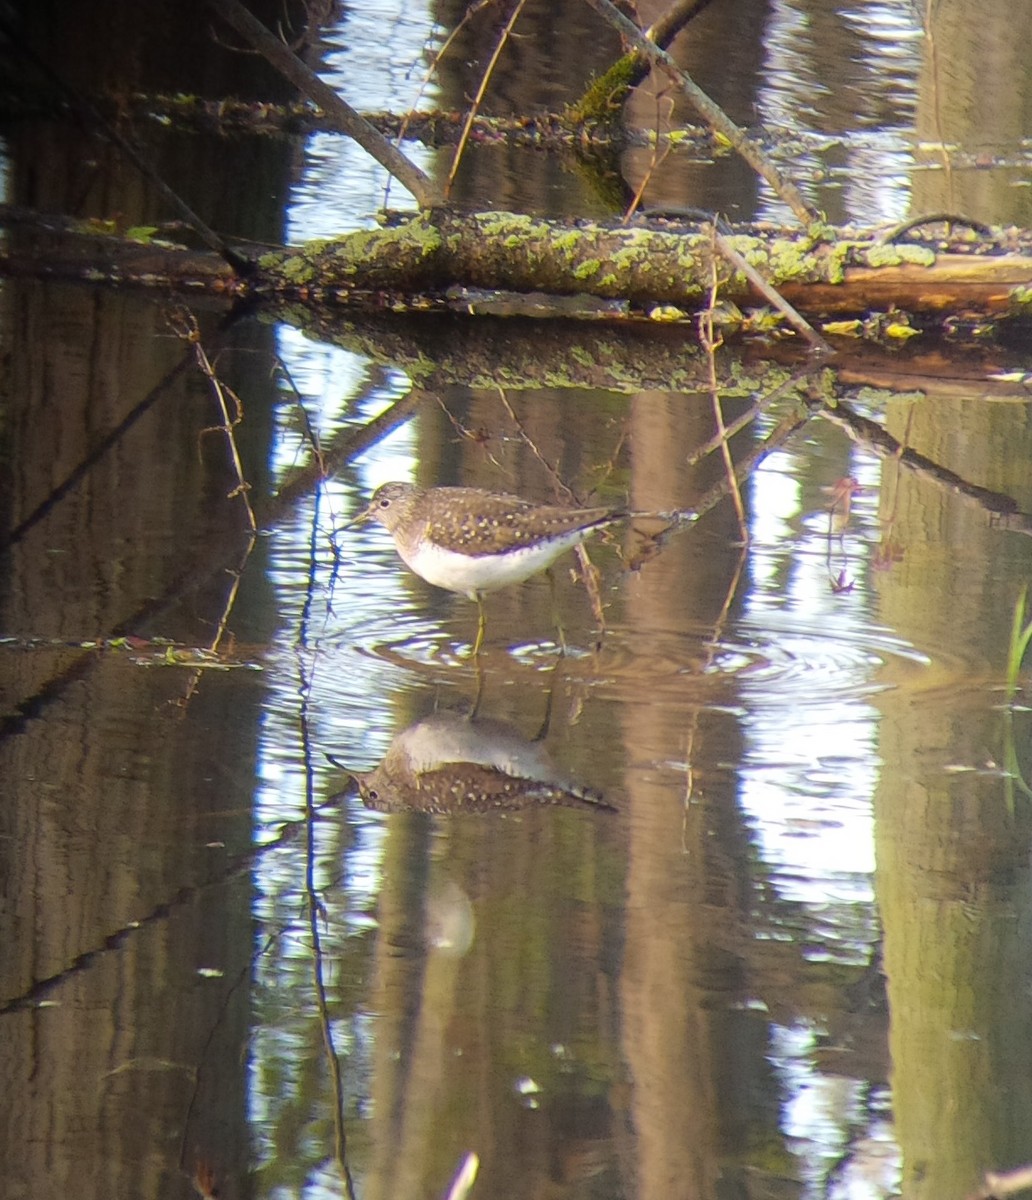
586,269
789,260
645,266
517,252
367,258
896,256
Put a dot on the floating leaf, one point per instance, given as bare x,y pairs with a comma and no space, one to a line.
852,328
666,312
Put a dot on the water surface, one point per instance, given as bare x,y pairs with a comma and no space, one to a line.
758,920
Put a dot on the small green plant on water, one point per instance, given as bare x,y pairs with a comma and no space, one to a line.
1020,636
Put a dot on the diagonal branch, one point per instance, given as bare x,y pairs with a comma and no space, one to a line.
309,84
712,114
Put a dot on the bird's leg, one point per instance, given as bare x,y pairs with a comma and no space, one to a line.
475,710
556,616
481,624
549,703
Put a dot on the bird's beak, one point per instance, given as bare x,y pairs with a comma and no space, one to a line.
351,787
361,518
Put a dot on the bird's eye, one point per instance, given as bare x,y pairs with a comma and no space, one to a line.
373,794
385,503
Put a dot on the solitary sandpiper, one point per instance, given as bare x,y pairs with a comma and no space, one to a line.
473,541
450,763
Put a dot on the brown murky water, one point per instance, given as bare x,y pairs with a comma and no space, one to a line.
753,918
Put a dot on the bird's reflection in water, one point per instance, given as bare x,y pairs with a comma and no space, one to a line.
451,764
449,921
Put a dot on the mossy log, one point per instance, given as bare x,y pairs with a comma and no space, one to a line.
661,269
652,266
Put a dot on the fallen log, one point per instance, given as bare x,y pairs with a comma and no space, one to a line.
661,269
652,267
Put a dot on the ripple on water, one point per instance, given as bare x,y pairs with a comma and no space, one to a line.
792,665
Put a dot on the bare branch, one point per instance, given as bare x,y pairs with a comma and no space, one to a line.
711,113
309,84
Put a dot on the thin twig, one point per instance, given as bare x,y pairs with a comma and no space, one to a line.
940,130
345,446
747,417
314,904
431,70
553,474
311,433
479,437
591,577
236,575
711,343
186,328
589,572
678,519
474,108
657,159
712,647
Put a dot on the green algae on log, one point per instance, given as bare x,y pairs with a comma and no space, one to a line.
646,265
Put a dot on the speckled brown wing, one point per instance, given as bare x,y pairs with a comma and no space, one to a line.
468,788
502,522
